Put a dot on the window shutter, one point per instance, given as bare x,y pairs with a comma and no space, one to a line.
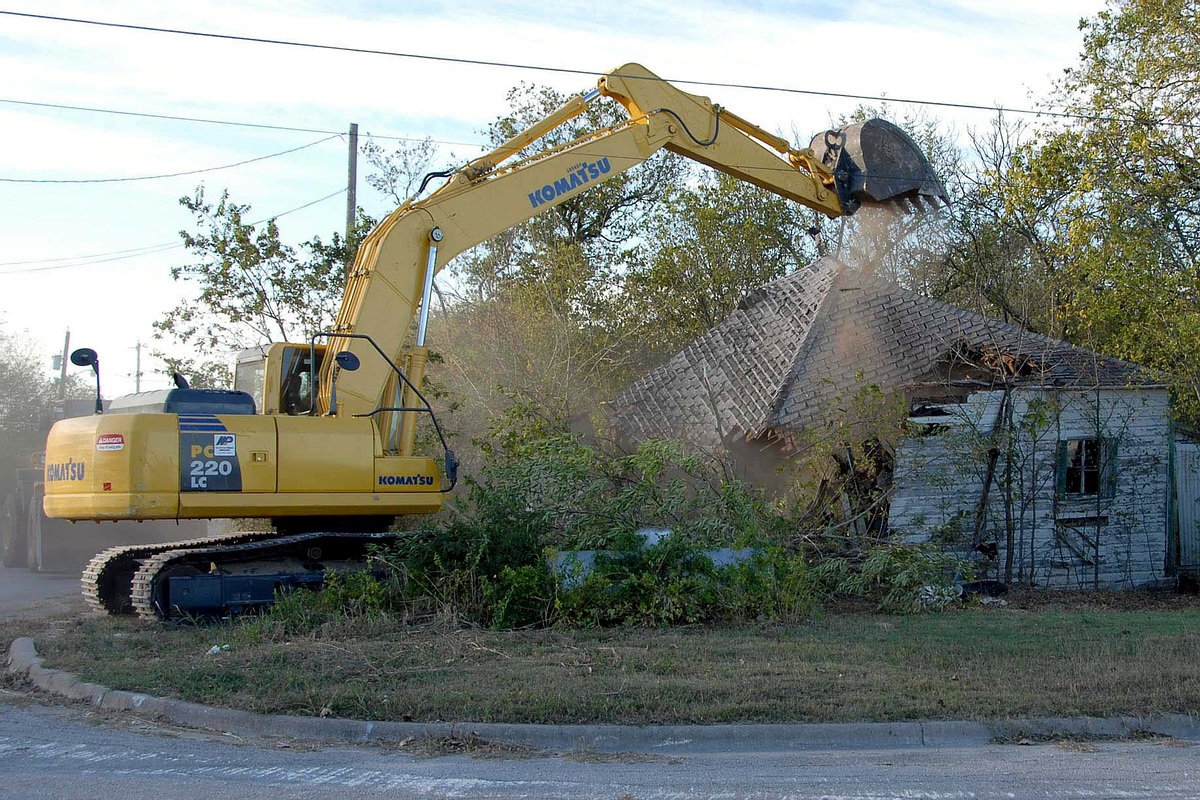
1060,474
1109,476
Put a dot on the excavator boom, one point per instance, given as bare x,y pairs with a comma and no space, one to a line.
872,162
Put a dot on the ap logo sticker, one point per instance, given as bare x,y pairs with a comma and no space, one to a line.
224,444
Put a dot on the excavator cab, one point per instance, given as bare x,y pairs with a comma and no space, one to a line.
279,377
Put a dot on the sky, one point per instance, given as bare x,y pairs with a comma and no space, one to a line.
96,258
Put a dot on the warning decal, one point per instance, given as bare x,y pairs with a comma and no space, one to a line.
110,442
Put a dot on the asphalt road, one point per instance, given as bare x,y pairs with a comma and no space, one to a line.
66,752
25,594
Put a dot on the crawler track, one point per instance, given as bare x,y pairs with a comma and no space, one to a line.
107,580
269,563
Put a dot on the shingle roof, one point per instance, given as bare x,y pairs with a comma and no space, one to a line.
727,381
798,344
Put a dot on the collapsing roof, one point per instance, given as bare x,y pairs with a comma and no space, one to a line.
798,344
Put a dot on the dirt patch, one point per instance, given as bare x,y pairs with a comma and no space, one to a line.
1087,743
468,744
1100,600
601,757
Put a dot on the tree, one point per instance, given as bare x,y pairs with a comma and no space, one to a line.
26,397
251,288
997,258
27,392
706,246
588,232
1110,202
1136,213
398,174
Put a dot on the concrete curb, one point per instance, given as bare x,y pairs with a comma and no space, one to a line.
24,662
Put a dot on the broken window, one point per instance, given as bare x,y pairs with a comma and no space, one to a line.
1086,467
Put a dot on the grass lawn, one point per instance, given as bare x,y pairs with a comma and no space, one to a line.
1032,660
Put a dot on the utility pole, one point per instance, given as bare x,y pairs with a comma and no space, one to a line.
62,374
137,370
351,190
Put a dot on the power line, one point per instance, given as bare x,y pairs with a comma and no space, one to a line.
210,121
529,67
119,255
136,252
172,174
590,73
132,251
332,134
99,260
300,208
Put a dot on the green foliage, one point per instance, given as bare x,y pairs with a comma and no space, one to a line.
540,311
489,573
609,214
250,287
775,584
666,584
674,582
344,598
520,597
707,246
898,578
1098,219
589,497
488,561
569,307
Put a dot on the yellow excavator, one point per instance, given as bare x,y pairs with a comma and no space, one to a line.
319,437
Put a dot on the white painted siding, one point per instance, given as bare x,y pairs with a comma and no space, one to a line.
1057,542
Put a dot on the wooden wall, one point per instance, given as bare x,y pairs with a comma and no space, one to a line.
1115,539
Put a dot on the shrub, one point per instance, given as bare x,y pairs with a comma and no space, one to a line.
344,598
775,585
675,582
469,575
520,597
484,560
899,578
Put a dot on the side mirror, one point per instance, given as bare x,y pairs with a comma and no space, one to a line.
349,362
86,357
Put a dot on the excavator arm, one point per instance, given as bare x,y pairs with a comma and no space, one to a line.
393,272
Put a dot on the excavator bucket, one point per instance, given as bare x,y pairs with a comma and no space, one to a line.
876,162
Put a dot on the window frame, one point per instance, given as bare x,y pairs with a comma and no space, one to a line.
1106,473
